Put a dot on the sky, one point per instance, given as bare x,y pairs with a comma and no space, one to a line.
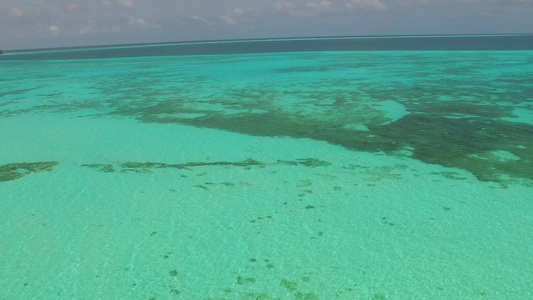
28,24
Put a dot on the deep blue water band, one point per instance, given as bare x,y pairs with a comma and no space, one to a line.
398,43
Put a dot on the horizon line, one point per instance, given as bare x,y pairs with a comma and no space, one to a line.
208,41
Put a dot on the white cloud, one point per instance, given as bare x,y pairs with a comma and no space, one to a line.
15,12
239,11
140,23
310,9
126,4
89,29
321,6
201,20
228,20
366,5
53,29
289,8
235,16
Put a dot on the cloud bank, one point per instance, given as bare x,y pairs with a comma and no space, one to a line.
48,23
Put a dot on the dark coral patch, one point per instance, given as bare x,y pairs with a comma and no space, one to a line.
17,170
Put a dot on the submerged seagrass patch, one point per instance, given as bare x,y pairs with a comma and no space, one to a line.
14,171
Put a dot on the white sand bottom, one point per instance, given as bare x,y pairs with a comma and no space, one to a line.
367,226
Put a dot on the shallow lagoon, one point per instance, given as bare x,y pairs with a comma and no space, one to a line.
287,175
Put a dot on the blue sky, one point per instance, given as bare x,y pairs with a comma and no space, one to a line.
59,23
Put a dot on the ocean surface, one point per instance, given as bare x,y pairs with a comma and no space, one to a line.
320,168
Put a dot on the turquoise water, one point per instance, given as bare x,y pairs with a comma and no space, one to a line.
282,175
